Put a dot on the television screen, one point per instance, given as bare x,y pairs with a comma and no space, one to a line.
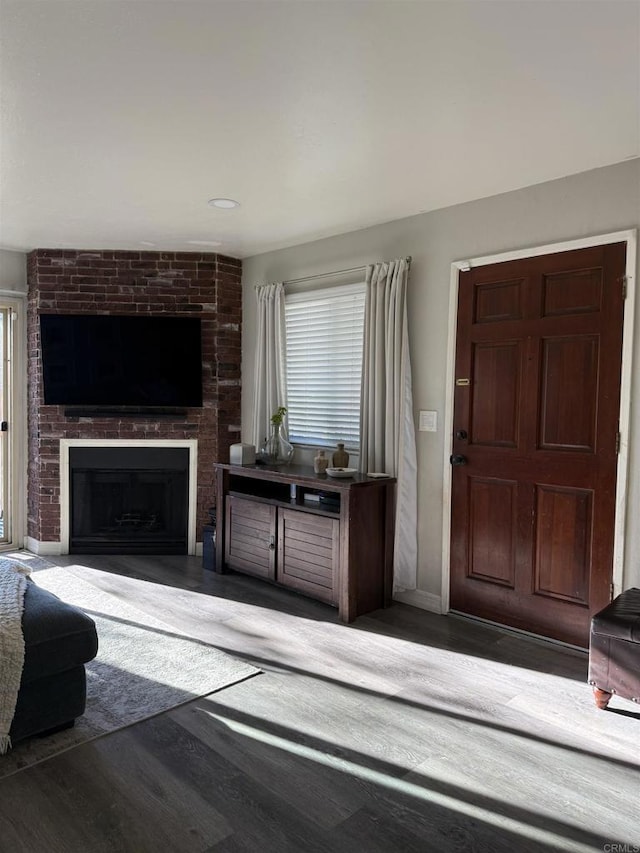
90,360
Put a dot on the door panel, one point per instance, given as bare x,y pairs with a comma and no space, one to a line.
250,536
496,378
498,301
492,539
6,419
568,402
564,522
308,554
579,291
538,360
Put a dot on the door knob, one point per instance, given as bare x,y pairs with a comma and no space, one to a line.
458,459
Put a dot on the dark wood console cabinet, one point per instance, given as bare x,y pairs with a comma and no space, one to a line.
329,538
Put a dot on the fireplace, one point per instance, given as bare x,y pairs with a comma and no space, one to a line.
126,284
128,495
128,500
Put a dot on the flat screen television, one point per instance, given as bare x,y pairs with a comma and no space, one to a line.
121,361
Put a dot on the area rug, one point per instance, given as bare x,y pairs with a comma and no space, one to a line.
143,667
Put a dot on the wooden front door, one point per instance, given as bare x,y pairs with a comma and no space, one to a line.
538,359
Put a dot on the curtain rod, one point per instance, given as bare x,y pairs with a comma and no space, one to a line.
324,275
327,274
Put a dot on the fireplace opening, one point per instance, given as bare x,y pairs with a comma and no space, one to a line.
129,500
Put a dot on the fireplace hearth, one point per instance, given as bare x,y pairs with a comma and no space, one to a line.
128,500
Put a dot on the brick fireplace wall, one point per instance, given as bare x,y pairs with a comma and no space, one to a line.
148,283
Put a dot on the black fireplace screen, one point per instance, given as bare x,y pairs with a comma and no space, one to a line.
128,509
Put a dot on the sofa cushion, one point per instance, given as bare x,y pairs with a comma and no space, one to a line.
57,635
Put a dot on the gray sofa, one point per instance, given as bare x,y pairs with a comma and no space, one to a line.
59,640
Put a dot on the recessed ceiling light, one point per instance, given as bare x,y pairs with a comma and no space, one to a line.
224,203
204,242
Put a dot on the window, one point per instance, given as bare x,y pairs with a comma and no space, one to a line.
324,330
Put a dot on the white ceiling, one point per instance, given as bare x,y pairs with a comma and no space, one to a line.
121,118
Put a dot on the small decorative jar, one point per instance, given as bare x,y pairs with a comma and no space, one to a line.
320,463
340,458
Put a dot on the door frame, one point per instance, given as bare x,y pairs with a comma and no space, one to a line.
17,417
630,238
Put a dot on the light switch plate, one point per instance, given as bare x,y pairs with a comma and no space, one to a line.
428,421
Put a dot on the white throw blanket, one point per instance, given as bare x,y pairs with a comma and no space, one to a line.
13,583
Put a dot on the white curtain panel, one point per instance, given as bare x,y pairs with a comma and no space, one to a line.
388,441
270,388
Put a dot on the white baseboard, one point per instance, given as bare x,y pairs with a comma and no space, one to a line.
42,549
418,598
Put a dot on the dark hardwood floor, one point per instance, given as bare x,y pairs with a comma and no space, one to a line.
404,731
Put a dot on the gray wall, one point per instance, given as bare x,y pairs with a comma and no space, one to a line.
13,271
591,203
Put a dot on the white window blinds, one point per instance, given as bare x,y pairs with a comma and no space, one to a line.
324,332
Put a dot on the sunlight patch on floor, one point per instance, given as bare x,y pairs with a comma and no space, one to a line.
404,787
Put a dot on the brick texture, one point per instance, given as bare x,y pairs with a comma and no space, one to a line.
68,281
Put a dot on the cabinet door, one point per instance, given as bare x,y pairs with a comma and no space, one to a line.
250,537
308,554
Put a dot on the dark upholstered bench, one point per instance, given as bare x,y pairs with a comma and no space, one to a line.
59,640
614,649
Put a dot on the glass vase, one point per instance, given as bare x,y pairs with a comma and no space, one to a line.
276,450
